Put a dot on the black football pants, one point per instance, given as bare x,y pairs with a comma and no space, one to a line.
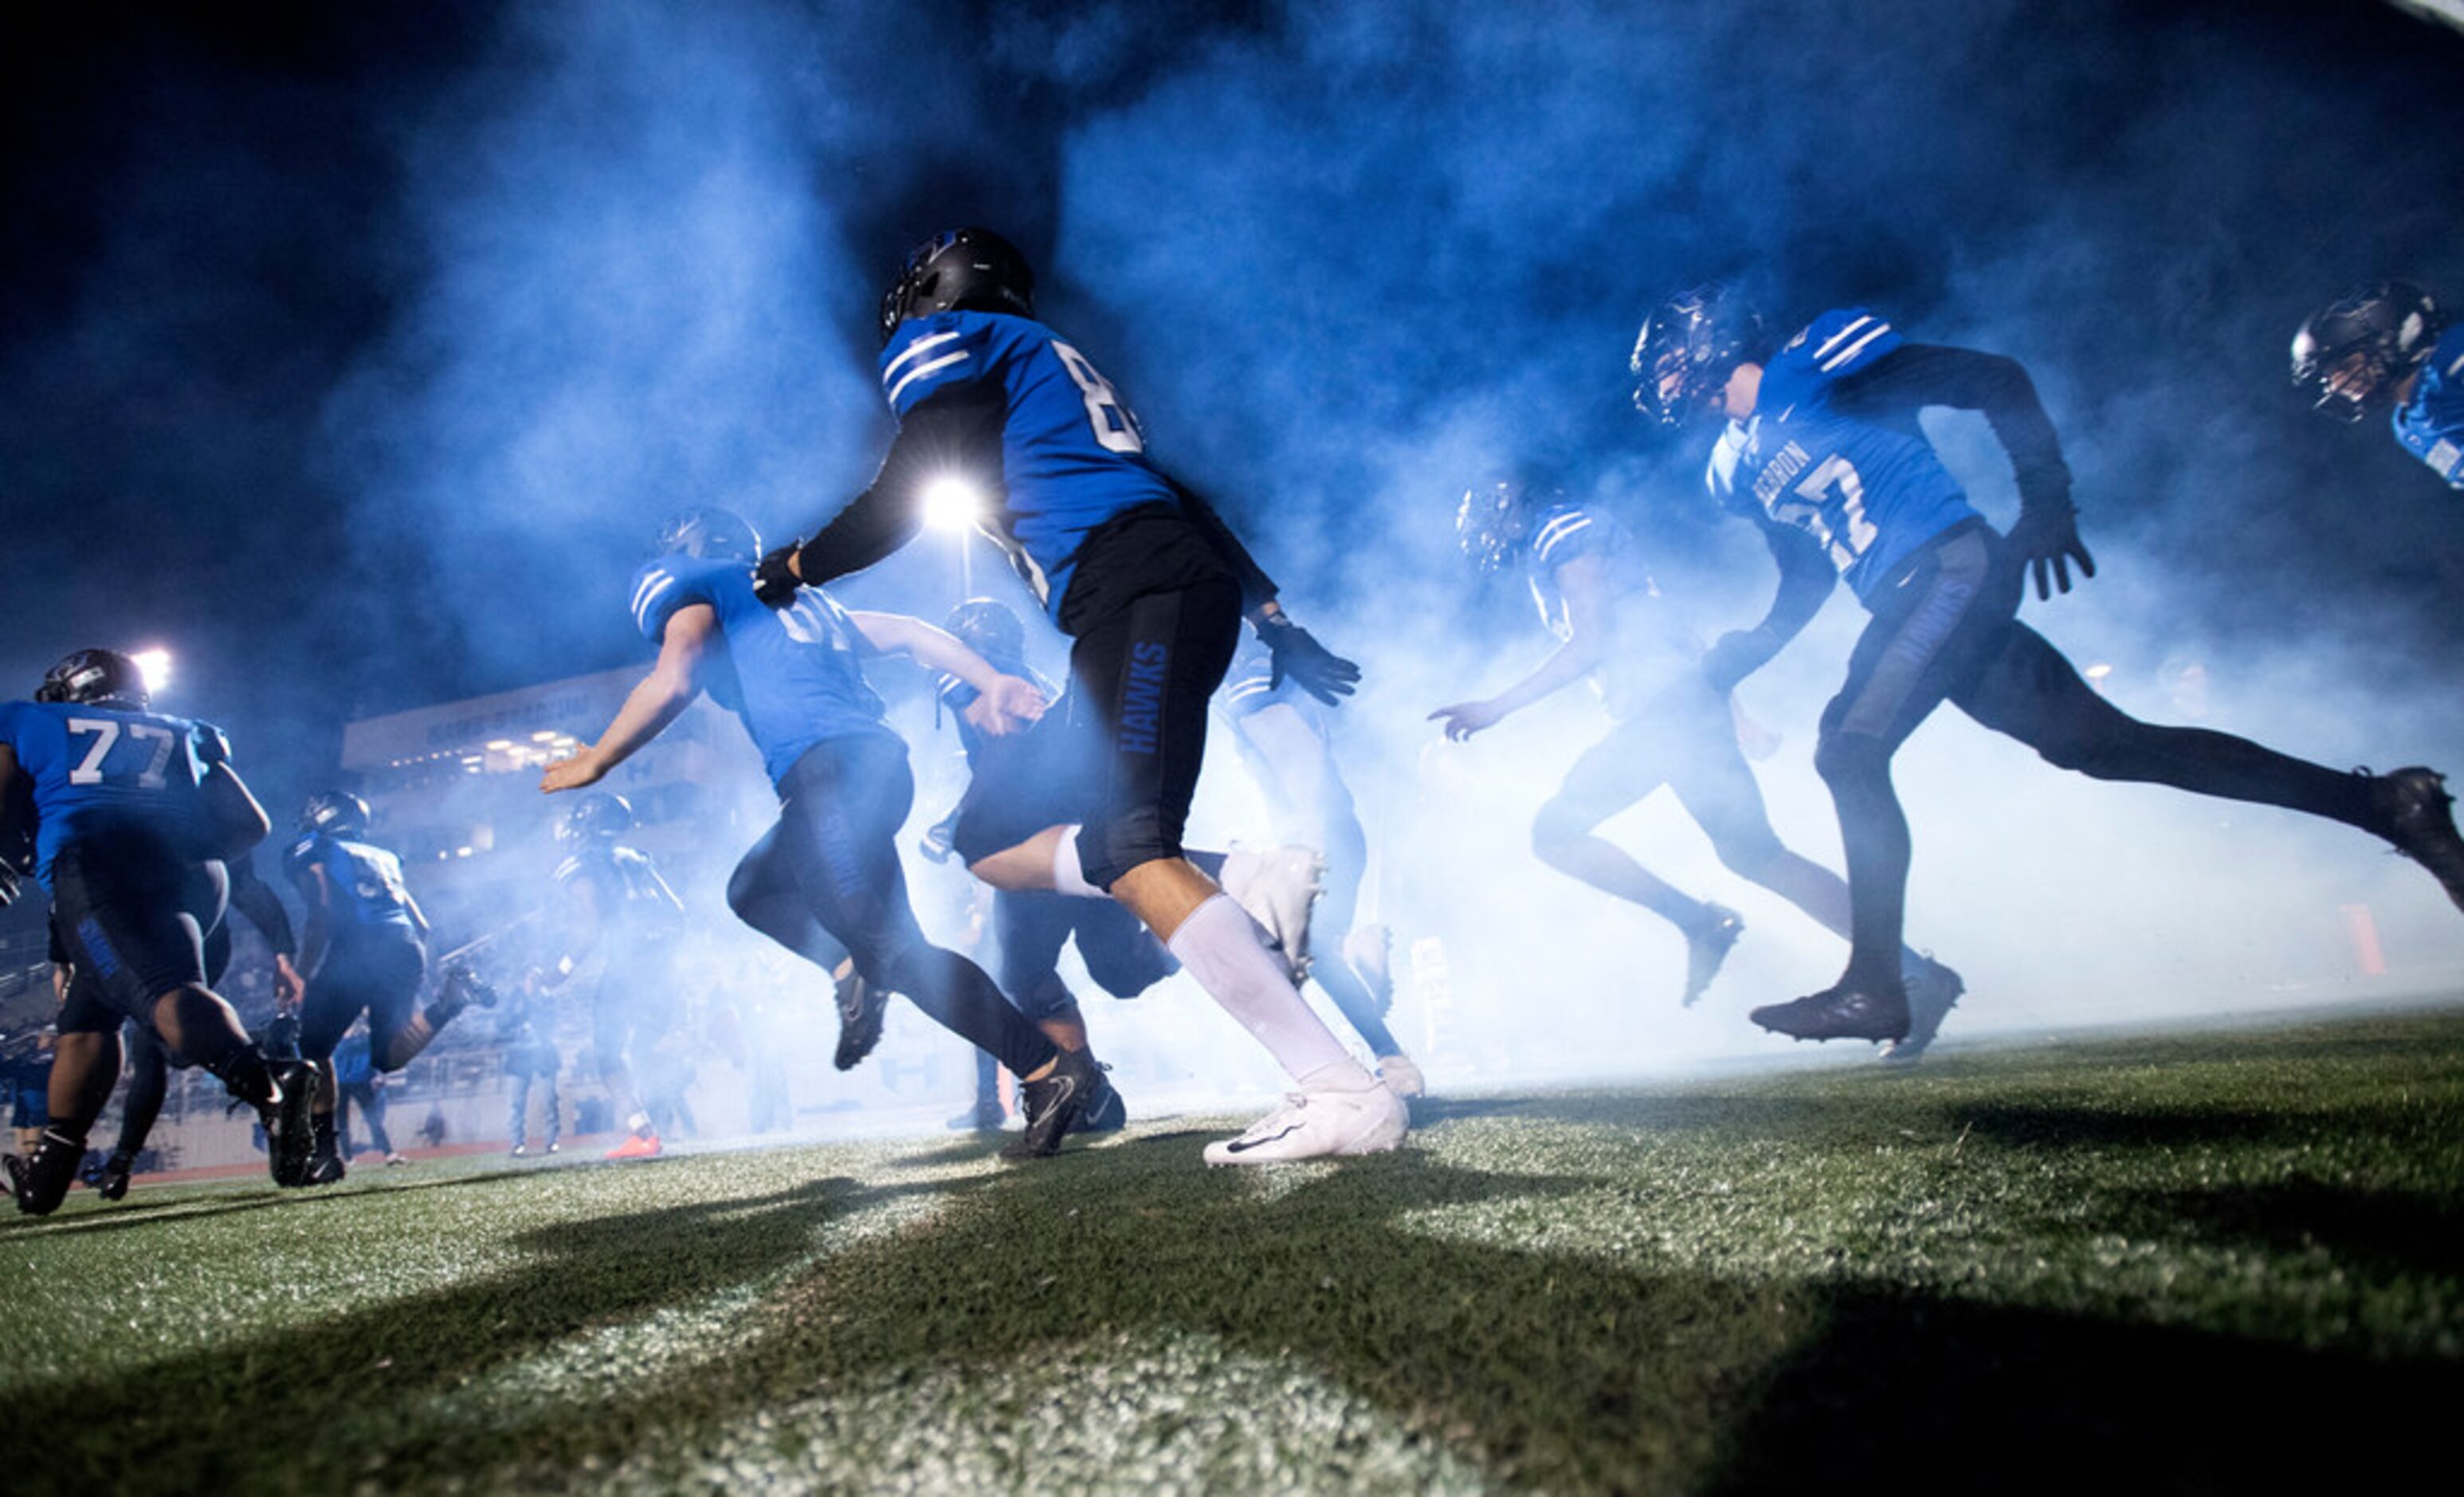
1947,629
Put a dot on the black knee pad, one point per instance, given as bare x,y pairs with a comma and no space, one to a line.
1049,997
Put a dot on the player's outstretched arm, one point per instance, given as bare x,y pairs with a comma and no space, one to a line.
691,637
1582,583
1806,580
1003,704
1913,376
956,433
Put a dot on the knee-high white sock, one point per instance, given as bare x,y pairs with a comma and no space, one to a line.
1067,876
1226,952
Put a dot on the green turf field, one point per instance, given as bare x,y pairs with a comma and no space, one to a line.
2210,1262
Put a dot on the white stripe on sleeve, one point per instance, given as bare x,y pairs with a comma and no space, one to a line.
1849,354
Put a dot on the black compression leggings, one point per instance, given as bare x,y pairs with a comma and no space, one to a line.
1949,632
826,878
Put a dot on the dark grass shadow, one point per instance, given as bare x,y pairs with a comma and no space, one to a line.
1938,1395
2378,1233
177,1426
117,1217
2055,1125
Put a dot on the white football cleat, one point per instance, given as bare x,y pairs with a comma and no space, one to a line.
1402,1077
1315,1125
1278,886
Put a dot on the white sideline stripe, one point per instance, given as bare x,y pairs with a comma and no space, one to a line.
1834,341
915,348
923,369
1850,352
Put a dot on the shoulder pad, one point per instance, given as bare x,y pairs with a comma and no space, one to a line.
1830,347
932,354
670,583
1567,531
213,746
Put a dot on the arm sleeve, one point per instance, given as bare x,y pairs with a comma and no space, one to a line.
956,430
1806,577
1917,375
1257,588
253,897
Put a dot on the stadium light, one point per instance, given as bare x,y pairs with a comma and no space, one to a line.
155,665
952,503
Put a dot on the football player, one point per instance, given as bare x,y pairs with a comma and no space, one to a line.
136,812
1674,725
1822,451
825,880
149,1063
365,951
1151,587
2384,348
620,928
1285,738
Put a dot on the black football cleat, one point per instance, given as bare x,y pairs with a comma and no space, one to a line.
2417,815
325,1169
116,1170
1706,948
1932,989
40,1183
861,1007
290,1124
1051,1105
1103,1111
1840,1013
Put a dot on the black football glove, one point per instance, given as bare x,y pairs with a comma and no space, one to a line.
1320,672
2047,540
772,582
1733,657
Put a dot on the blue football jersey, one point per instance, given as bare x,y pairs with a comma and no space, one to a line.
797,679
1641,652
1868,494
97,769
2430,425
1072,455
627,886
364,881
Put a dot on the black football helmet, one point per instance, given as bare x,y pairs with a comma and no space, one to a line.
596,815
989,627
972,267
1687,348
2354,351
96,678
337,813
713,535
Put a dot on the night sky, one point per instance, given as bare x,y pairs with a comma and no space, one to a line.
354,351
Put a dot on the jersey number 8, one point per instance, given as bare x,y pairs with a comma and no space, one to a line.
1116,431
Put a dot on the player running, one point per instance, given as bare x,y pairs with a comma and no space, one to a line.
825,881
135,810
1673,724
1822,450
149,1063
620,927
1151,587
365,952
2383,347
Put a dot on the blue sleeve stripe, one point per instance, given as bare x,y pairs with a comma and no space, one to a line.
923,369
1558,531
654,587
1848,354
